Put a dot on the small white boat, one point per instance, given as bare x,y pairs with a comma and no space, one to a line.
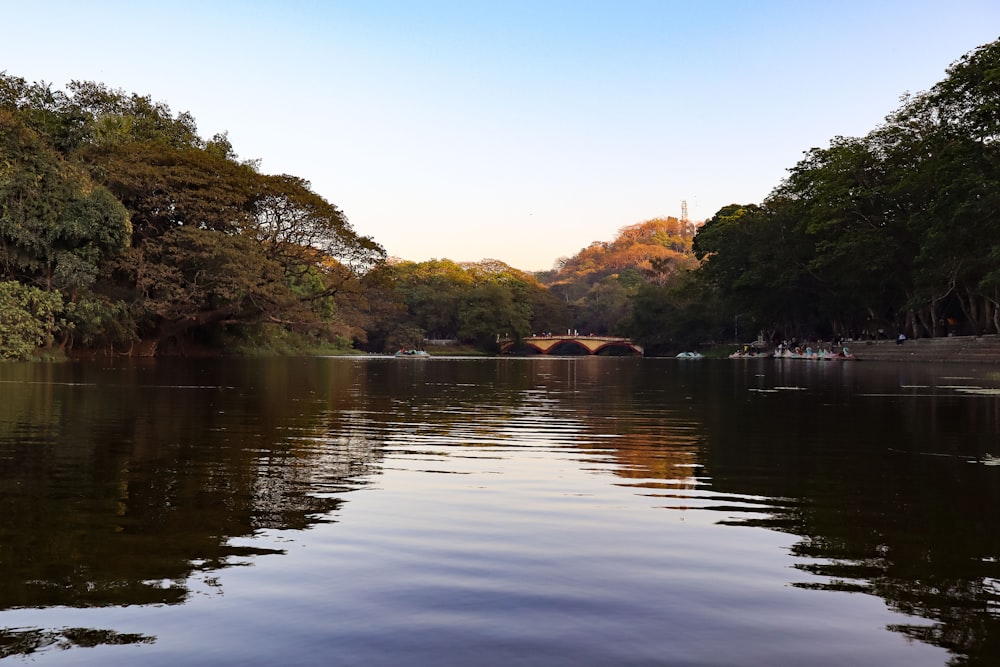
689,355
404,353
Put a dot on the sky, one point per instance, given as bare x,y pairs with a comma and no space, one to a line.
521,131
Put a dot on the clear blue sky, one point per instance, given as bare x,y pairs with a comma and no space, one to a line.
516,130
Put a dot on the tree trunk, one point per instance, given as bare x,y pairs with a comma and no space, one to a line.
922,316
144,348
992,308
971,311
176,330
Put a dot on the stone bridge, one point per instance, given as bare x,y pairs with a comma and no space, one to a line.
570,344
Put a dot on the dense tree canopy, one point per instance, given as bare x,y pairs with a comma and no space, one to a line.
56,224
117,205
897,229
474,303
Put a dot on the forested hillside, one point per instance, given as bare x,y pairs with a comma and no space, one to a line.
475,302
599,283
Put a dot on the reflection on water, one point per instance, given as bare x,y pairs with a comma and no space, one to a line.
28,642
488,511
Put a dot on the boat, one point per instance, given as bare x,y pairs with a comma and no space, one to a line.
814,355
689,355
752,354
404,353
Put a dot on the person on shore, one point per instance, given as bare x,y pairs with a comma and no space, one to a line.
901,338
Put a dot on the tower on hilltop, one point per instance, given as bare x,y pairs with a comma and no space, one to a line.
685,220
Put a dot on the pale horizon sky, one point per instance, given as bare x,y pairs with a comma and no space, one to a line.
518,131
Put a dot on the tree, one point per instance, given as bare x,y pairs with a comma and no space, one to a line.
56,225
548,312
217,244
597,283
57,228
605,307
114,117
473,302
953,133
680,315
896,227
118,203
28,318
489,311
855,220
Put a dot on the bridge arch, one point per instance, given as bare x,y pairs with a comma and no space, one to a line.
569,345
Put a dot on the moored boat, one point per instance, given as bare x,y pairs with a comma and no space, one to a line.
404,353
815,355
752,354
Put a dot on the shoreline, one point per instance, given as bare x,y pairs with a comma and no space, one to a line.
946,349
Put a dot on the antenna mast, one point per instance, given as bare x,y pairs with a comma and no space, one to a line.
686,226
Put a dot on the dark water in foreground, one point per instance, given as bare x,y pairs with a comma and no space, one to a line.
543,511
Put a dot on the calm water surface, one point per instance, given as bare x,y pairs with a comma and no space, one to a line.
545,511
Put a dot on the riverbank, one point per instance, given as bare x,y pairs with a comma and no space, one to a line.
963,349
984,350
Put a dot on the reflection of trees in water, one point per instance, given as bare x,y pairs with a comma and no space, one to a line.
121,486
859,481
127,490
925,558
27,642
885,494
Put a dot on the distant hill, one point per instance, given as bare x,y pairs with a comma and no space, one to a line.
653,249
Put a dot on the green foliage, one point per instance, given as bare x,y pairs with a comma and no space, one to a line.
152,233
474,302
28,319
598,283
675,317
116,117
94,320
548,312
894,229
114,206
271,339
218,244
606,305
56,226
489,311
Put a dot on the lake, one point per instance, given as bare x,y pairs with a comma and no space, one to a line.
499,511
